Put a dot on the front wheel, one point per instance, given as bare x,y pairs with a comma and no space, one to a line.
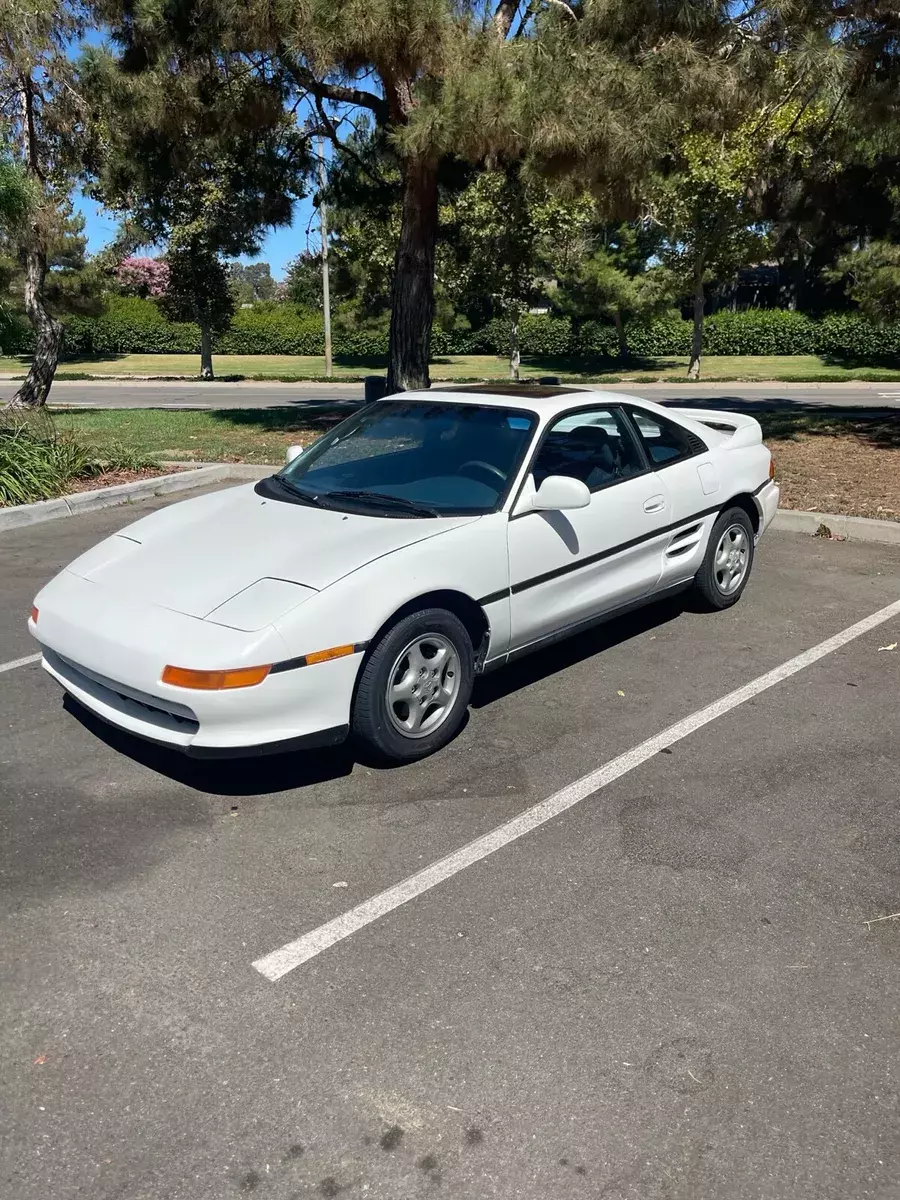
728,560
415,687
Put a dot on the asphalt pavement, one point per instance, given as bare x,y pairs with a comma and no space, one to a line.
669,992
190,394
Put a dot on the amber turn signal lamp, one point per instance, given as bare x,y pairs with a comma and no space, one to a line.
326,655
771,468
34,614
214,681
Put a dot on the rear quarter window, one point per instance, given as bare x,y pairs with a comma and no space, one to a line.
664,441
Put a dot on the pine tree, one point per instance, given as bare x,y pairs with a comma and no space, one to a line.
196,151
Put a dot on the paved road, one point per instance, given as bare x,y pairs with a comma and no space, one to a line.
668,993
261,395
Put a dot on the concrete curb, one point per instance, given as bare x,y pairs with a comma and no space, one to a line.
127,493
857,529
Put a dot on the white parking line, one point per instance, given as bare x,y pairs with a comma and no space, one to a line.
295,953
19,662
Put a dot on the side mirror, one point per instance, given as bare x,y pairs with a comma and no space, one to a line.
292,452
559,492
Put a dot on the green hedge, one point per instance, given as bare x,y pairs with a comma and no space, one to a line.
845,335
761,331
541,336
130,325
272,329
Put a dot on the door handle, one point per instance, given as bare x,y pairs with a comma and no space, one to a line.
654,504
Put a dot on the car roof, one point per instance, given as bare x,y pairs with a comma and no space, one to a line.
540,398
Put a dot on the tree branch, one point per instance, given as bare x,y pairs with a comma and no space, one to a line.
570,12
339,94
330,131
504,16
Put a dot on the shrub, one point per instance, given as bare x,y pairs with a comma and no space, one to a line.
15,332
37,464
664,336
852,337
272,328
760,331
34,465
136,326
130,325
539,335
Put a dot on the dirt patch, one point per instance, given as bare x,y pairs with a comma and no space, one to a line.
838,474
112,478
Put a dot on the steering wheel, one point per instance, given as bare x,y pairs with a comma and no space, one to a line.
487,467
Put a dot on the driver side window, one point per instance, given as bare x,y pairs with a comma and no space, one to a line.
594,446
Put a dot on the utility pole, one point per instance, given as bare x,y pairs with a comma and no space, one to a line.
323,233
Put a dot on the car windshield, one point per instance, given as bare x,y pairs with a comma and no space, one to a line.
413,458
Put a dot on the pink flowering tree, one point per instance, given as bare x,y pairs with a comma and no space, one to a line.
142,276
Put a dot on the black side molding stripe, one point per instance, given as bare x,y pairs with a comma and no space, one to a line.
292,664
684,525
613,550
494,597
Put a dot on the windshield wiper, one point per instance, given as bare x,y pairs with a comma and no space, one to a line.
306,497
384,500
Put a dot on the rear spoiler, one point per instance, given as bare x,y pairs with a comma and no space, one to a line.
737,428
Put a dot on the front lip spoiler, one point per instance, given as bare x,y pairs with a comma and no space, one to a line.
318,740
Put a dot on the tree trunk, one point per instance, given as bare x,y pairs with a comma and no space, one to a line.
697,338
412,289
206,366
47,330
799,275
515,356
621,334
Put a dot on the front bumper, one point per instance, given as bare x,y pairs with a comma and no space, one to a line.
108,653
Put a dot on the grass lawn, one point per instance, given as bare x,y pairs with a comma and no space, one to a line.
786,369
828,462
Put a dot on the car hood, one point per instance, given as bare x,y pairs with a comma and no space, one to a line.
193,556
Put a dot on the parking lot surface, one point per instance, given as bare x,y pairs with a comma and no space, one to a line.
669,991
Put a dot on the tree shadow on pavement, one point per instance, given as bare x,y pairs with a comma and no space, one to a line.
304,415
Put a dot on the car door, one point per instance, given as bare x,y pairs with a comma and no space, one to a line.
569,566
681,459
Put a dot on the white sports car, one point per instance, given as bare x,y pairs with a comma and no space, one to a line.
428,538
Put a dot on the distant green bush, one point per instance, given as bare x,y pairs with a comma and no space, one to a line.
14,330
130,325
761,331
273,329
851,337
540,336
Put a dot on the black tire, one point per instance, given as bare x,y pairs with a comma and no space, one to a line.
371,722
708,582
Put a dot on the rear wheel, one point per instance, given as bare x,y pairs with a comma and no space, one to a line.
728,560
415,687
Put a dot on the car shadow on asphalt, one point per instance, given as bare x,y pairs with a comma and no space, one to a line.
568,653
257,776
267,774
